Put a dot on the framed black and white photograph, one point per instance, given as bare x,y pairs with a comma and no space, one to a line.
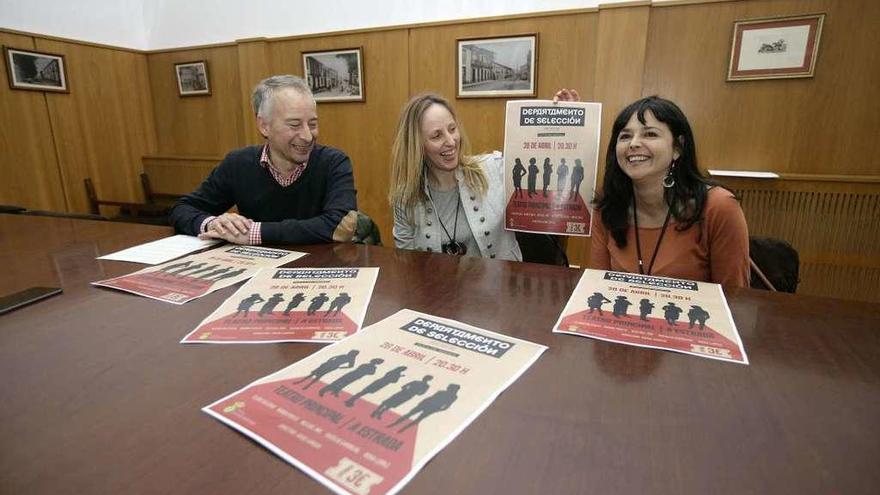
497,67
336,75
192,78
775,48
35,71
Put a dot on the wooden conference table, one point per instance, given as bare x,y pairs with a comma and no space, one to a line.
98,396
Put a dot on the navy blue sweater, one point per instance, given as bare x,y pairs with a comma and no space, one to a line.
304,212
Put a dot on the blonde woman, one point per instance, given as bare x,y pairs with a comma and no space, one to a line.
444,199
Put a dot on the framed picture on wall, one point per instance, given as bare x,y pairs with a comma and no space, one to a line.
336,75
36,71
775,48
192,78
497,67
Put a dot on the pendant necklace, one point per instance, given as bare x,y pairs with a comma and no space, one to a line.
639,242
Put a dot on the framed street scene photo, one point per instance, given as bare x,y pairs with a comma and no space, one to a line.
775,48
336,75
192,78
497,67
35,70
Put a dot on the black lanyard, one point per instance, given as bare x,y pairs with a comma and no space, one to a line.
639,242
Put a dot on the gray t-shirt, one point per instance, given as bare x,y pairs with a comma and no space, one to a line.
445,205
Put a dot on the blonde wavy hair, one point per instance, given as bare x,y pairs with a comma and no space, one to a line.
408,163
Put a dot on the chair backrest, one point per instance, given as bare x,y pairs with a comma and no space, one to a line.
541,248
775,261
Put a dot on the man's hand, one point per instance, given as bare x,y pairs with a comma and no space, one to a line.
566,95
230,224
230,227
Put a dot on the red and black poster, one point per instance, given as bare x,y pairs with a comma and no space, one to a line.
191,277
365,414
550,156
656,312
291,305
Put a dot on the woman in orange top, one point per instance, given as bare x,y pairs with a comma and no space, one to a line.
657,213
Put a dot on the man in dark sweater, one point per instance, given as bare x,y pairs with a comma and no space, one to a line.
290,190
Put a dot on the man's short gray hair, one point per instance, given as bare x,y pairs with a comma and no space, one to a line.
265,90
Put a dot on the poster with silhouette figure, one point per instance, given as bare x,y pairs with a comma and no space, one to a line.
656,312
365,414
291,305
554,149
184,279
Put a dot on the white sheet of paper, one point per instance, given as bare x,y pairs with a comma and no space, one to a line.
744,173
156,252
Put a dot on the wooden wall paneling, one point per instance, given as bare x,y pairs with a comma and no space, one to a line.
197,125
28,163
364,130
620,59
104,125
253,67
178,174
780,125
566,58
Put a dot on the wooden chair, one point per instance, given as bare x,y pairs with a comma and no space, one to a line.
147,213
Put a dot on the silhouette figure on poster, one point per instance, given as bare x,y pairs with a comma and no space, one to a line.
337,304
317,302
352,376
671,312
231,274
621,303
273,301
376,385
214,273
533,177
440,401
407,392
577,176
246,303
176,265
186,269
645,308
561,176
296,301
340,362
548,172
205,269
596,301
518,172
697,314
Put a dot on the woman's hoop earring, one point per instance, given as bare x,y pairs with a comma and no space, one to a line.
669,180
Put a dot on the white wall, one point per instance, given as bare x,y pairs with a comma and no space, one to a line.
158,24
112,22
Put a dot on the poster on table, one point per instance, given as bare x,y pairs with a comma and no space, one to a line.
550,156
364,415
182,280
291,305
657,312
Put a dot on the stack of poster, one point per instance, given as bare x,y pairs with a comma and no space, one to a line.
194,276
291,305
365,414
550,156
656,312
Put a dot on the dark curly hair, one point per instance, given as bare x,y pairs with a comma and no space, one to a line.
686,198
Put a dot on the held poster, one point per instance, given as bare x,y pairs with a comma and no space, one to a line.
364,415
182,280
656,312
550,155
291,305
